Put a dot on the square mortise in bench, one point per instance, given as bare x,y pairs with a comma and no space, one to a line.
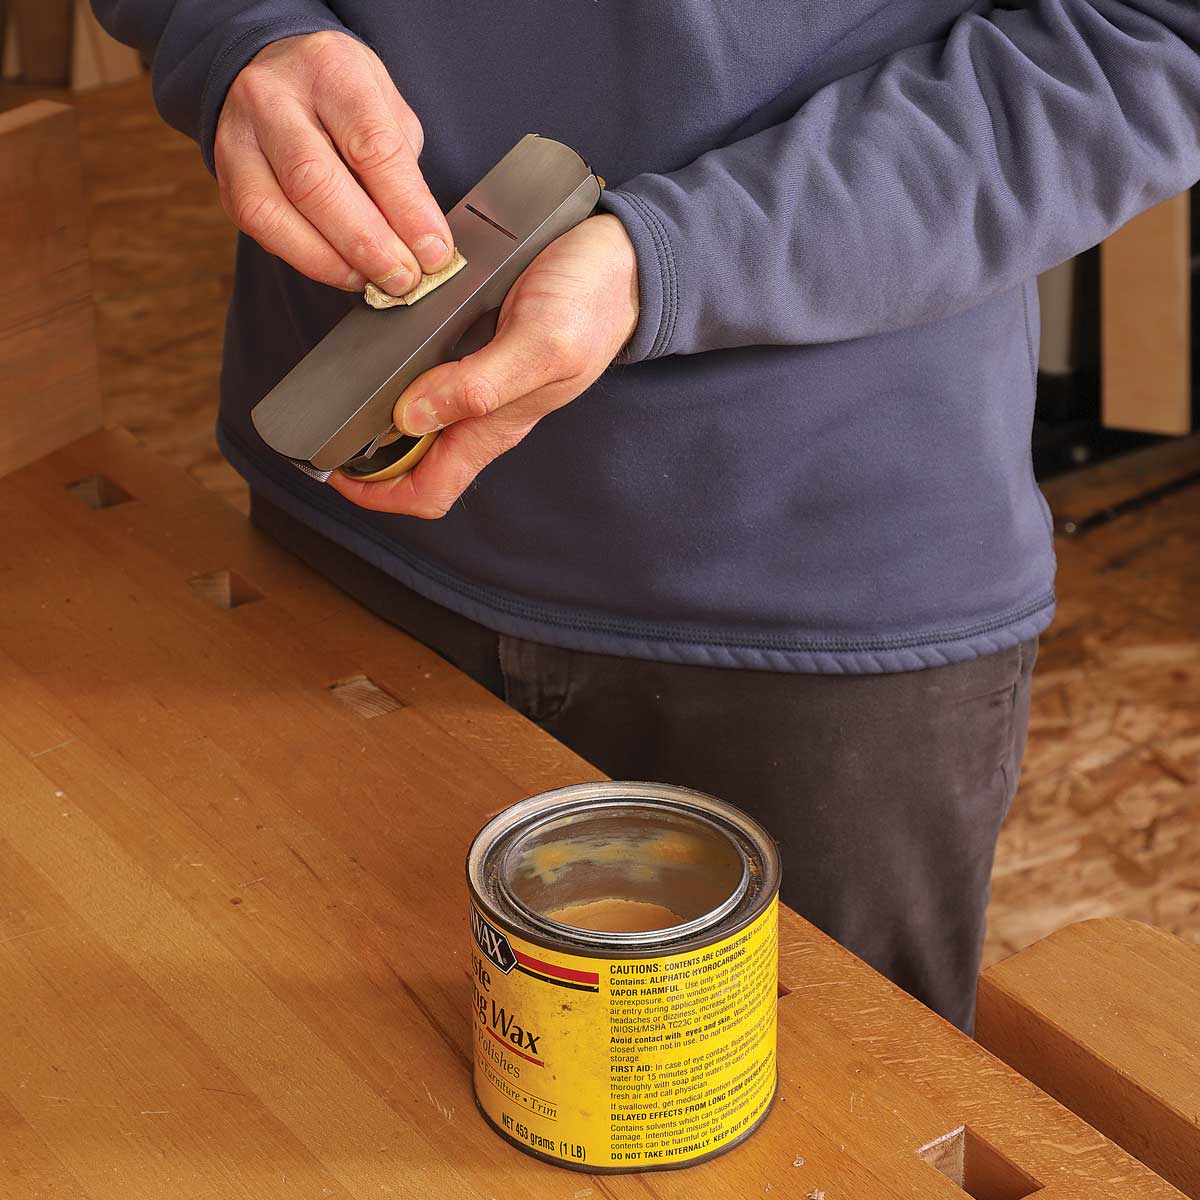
980,1170
225,589
365,697
97,491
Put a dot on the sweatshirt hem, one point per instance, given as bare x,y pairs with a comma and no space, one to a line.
631,638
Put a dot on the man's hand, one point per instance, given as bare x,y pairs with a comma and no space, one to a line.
316,157
562,323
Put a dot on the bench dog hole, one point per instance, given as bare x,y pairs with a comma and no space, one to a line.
364,697
224,589
976,1167
98,491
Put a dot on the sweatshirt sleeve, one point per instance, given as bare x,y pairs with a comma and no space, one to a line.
919,187
197,47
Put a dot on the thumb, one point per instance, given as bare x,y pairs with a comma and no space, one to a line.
522,358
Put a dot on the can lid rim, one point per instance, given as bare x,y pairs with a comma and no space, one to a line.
763,862
649,937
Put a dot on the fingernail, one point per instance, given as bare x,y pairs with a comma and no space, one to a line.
398,283
432,253
356,281
419,418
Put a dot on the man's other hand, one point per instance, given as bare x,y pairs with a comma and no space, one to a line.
562,323
316,157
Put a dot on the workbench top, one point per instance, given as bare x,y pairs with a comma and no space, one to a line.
233,920
1105,1016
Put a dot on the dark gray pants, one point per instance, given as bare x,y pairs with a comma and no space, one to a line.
885,792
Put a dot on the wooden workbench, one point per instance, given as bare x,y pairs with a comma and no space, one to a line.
233,935
1105,1015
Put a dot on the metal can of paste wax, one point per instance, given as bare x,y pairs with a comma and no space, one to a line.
625,966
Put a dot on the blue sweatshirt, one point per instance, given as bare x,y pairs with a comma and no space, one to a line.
815,454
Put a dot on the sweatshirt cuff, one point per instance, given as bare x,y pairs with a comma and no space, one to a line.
658,279
238,52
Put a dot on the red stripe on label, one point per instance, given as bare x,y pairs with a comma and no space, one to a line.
558,972
537,1062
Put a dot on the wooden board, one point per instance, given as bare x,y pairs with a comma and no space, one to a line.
162,256
1145,313
97,58
62,44
49,390
233,936
1105,1015
41,33
8,45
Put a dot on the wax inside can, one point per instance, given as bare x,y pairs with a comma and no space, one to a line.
615,914
624,870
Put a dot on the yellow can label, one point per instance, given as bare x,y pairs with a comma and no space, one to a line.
627,1062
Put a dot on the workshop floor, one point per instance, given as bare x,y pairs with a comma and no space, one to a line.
1108,818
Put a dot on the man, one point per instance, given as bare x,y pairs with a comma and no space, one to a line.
789,548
